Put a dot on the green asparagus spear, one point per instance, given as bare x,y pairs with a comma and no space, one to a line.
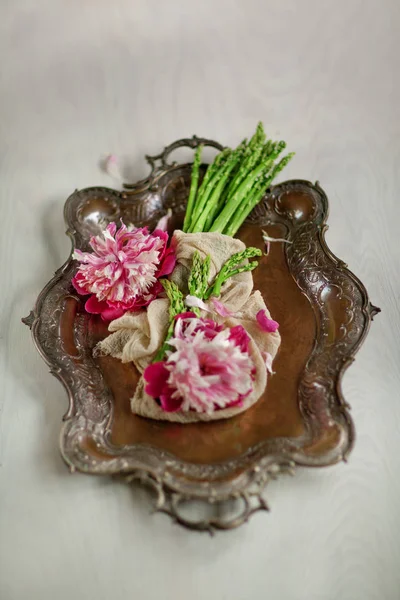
255,149
232,184
176,307
193,186
214,197
249,163
233,266
255,197
234,202
258,137
207,184
199,274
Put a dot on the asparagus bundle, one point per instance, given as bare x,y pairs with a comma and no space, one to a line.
233,184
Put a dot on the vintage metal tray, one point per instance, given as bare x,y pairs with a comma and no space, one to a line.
303,419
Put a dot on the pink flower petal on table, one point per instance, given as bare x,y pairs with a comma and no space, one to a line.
221,309
266,324
195,302
112,167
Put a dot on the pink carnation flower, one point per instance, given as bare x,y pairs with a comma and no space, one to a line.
208,368
122,272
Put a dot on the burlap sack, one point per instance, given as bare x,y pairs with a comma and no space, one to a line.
136,337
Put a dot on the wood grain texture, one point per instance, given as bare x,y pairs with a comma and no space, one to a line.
79,79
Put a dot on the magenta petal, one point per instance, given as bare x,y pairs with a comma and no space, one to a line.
238,402
111,313
156,376
240,337
75,282
185,315
266,324
163,235
95,306
112,228
211,328
170,404
167,265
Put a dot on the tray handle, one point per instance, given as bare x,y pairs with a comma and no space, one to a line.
159,162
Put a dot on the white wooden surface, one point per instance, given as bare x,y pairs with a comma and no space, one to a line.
83,78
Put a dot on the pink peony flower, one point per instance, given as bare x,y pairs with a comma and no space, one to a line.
208,368
122,272
267,324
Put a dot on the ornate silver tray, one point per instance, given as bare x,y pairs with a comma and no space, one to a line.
302,420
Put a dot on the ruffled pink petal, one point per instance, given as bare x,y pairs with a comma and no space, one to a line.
210,328
112,228
240,337
266,324
185,315
75,282
163,235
